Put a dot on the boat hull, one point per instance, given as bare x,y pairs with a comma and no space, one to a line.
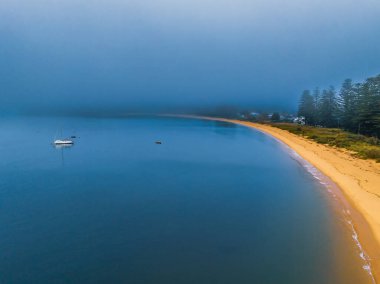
63,142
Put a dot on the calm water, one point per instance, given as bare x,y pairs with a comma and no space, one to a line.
215,203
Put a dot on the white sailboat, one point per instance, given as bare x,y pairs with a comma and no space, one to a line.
63,142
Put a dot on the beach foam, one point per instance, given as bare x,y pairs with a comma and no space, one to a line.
330,188
358,182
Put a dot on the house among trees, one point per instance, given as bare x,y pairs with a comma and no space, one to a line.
356,107
299,120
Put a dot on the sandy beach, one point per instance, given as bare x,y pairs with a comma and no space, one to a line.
358,179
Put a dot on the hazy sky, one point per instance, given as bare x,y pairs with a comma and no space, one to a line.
94,53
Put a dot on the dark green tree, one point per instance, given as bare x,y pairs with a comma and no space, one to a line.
306,107
368,107
356,108
262,117
317,105
329,108
347,105
275,117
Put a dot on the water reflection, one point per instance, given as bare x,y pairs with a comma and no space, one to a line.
220,128
62,148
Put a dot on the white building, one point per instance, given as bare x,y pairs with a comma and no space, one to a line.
299,120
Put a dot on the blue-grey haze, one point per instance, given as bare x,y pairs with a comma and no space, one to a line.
122,53
215,203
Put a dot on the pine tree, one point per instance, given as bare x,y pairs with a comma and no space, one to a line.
275,117
368,112
329,108
306,107
355,123
346,101
357,108
317,103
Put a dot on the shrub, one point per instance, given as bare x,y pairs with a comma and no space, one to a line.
364,147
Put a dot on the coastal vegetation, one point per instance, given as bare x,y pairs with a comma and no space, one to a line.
347,119
359,145
355,108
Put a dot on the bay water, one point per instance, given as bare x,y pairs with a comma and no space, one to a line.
214,203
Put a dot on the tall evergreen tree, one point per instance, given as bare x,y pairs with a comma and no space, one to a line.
306,107
346,101
317,105
368,112
329,108
275,117
355,123
356,108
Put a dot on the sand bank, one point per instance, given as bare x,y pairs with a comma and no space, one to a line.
358,179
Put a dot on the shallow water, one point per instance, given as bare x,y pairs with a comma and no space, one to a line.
214,203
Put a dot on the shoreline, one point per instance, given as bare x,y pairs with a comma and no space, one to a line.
357,186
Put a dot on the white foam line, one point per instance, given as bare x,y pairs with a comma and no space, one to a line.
362,254
322,178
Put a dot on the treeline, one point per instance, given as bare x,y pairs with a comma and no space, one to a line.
355,107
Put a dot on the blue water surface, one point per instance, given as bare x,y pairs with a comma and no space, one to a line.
214,203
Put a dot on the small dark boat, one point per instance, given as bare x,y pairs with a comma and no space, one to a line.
158,142
73,136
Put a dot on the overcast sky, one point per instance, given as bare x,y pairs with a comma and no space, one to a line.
105,53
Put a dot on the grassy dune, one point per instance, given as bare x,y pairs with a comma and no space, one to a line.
360,146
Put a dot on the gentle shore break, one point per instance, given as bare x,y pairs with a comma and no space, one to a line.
358,179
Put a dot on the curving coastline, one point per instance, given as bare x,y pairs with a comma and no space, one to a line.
358,180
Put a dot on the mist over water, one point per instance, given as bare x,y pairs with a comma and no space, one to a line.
215,203
76,54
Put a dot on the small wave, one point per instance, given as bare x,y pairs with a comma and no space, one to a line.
362,254
322,180
367,268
